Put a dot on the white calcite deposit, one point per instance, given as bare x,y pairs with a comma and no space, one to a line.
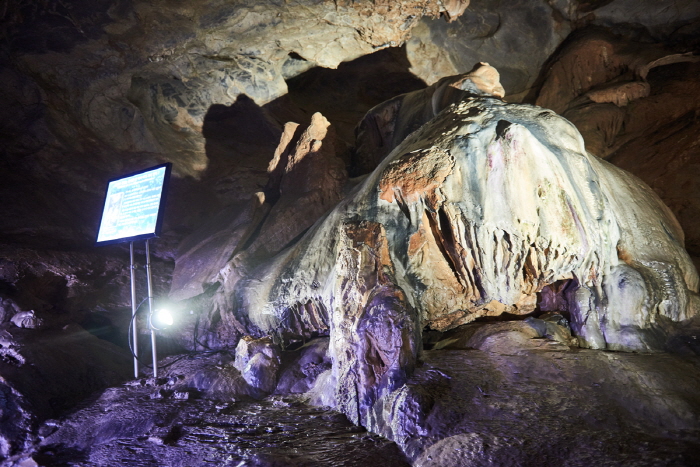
488,208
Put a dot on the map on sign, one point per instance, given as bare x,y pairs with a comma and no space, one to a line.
133,206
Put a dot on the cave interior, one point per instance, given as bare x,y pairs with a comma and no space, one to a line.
425,232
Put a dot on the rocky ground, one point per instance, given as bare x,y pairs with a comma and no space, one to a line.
489,394
148,424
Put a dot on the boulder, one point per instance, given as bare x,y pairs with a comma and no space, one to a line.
26,319
258,360
309,362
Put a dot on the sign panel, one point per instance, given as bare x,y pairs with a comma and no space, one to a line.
133,206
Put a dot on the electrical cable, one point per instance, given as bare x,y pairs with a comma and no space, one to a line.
131,327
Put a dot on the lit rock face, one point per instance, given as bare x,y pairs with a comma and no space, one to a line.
385,126
483,210
516,39
519,39
306,180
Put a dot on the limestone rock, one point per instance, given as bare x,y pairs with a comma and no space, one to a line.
602,67
310,361
139,77
306,179
474,215
472,407
459,406
388,124
125,423
211,376
27,320
471,449
8,309
374,332
628,99
667,160
520,39
258,360
511,337
659,20
453,9
488,32
47,371
206,251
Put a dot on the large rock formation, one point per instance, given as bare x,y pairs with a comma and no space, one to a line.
473,211
488,208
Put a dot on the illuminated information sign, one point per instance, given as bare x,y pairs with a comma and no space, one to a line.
133,206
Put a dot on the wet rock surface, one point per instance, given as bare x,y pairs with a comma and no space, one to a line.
169,422
502,393
46,372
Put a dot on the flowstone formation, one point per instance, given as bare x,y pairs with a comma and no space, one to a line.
488,209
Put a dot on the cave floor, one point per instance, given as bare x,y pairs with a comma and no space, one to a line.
128,427
522,406
576,407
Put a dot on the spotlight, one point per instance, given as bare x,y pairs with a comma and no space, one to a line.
161,319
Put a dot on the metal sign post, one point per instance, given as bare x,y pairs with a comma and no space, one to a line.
135,333
133,210
134,309
150,311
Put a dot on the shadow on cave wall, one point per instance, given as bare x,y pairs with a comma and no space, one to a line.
241,138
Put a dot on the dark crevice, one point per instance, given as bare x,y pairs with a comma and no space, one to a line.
434,227
502,127
443,243
402,204
296,56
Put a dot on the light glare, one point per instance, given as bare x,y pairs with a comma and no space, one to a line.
163,317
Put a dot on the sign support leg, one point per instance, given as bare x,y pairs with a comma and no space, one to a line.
134,330
150,310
